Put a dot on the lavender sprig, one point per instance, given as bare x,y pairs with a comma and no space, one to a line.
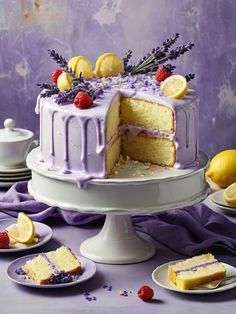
49,89
126,60
150,62
63,64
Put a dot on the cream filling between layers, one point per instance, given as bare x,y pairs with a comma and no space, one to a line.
132,131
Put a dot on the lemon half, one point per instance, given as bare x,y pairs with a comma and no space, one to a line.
108,64
222,170
81,64
230,195
64,81
175,86
23,231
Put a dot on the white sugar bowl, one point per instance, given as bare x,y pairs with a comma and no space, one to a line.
15,144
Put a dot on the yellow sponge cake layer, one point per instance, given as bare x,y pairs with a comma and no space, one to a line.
113,119
147,114
38,270
196,271
113,154
53,267
65,260
159,151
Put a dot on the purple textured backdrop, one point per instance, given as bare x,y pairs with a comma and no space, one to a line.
28,28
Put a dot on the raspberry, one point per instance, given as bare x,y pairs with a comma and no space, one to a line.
145,293
83,101
4,240
54,75
162,73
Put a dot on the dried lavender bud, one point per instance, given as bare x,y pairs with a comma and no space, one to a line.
45,86
169,67
190,76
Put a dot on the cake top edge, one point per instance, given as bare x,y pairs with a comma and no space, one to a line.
75,81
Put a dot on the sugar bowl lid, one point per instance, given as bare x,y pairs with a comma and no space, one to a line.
11,134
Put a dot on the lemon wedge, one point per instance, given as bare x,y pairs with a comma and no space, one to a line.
23,231
81,64
222,170
175,86
230,195
64,81
108,64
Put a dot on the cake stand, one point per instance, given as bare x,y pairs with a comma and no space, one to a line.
136,189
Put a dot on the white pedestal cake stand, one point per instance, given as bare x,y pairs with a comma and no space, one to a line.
136,189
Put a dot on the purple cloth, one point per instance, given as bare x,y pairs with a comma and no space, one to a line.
185,231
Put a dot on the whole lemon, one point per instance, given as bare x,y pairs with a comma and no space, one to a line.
222,170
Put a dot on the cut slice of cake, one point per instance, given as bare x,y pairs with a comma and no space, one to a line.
53,267
195,271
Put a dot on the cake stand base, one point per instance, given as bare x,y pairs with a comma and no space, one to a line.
118,198
117,243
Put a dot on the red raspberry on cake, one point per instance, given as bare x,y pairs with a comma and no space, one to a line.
83,101
145,293
4,240
163,72
55,74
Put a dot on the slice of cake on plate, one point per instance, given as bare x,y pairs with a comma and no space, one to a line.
53,267
195,271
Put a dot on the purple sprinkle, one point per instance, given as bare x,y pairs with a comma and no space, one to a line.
104,286
86,294
94,298
19,271
110,288
89,298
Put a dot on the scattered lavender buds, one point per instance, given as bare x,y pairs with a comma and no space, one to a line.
89,297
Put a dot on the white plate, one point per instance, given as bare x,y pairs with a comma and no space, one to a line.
88,271
160,277
6,184
43,231
15,179
13,170
15,175
218,198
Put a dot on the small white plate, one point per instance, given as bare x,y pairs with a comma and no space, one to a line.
88,271
218,198
15,175
14,170
15,179
43,231
160,277
7,184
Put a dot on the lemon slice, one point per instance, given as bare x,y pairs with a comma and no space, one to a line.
230,195
108,64
175,86
81,64
23,231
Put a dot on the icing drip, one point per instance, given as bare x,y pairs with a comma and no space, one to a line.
100,145
83,157
38,104
66,144
195,268
52,151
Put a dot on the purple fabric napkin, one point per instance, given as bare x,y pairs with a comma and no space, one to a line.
185,231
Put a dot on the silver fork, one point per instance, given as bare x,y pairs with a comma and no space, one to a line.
215,284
